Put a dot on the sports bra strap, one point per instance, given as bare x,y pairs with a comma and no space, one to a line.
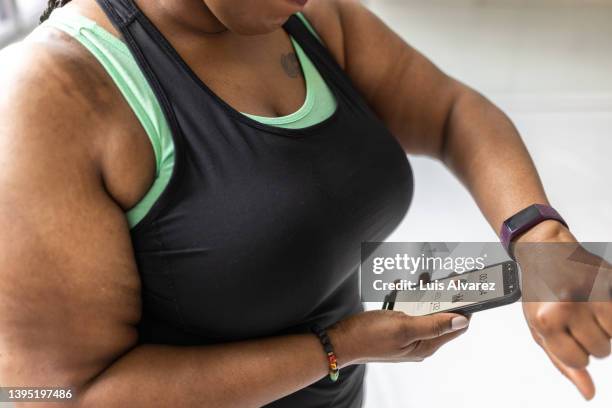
123,11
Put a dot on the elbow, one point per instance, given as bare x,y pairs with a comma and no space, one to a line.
466,112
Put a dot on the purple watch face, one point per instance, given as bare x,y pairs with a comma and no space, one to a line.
523,218
526,219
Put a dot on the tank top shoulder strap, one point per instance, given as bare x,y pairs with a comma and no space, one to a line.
308,25
303,32
137,32
121,12
116,59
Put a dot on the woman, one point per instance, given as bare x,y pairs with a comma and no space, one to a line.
186,185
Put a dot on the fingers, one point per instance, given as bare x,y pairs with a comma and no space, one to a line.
603,315
426,348
572,332
567,350
589,334
437,325
550,322
580,377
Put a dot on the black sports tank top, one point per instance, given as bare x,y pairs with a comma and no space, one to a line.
258,231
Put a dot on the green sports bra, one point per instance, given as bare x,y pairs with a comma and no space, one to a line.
119,63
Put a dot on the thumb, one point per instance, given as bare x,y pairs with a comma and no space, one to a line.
432,326
579,376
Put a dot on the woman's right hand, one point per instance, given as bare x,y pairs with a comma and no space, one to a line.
392,336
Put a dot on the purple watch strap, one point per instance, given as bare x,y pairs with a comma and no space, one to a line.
524,220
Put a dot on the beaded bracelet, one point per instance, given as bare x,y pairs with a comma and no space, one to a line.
334,371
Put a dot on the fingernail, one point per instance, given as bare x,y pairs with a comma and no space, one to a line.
459,322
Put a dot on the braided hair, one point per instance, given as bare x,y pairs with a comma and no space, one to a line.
52,5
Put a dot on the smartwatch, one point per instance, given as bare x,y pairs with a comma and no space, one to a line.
524,220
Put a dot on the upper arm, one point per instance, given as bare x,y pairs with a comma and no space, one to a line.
69,289
408,92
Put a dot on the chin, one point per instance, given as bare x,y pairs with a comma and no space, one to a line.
263,27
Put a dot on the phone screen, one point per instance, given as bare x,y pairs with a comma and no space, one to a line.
428,301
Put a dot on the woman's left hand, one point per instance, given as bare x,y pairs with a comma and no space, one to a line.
566,301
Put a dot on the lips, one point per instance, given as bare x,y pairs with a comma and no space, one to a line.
300,2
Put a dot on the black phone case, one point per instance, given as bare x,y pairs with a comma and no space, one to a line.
507,299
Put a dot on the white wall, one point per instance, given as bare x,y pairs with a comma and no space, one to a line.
17,18
548,64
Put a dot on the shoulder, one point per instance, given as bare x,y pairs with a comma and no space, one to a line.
54,93
48,78
338,22
70,120
325,18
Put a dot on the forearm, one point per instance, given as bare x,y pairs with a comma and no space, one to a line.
485,151
242,374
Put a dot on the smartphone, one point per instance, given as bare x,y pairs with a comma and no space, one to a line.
494,286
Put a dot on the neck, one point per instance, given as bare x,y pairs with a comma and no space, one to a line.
191,16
